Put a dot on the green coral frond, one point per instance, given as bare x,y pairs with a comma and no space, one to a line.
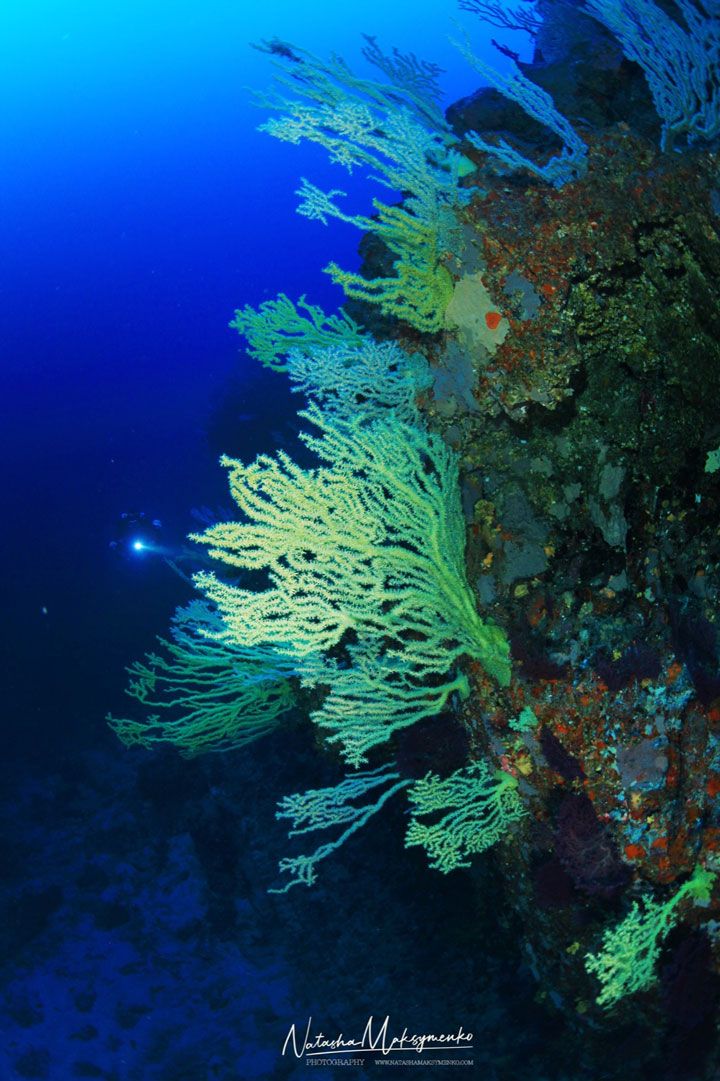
627,960
416,79
370,544
324,808
370,379
333,82
280,325
382,689
418,295
397,134
205,692
476,809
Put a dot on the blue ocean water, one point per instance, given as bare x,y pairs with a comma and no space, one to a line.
139,207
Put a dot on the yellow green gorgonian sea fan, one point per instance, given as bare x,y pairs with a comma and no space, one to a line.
399,133
337,808
205,692
626,962
279,326
365,558
468,812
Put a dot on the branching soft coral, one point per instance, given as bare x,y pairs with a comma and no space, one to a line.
681,64
375,377
627,960
326,808
278,326
561,168
206,692
364,554
493,11
470,810
401,135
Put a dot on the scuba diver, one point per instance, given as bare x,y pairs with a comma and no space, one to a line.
138,536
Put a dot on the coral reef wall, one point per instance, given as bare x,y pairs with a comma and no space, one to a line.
578,379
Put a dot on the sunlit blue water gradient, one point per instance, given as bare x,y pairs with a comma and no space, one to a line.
139,206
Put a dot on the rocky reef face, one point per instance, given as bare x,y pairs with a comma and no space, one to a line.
578,380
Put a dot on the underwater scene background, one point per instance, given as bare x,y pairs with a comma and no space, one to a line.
420,760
